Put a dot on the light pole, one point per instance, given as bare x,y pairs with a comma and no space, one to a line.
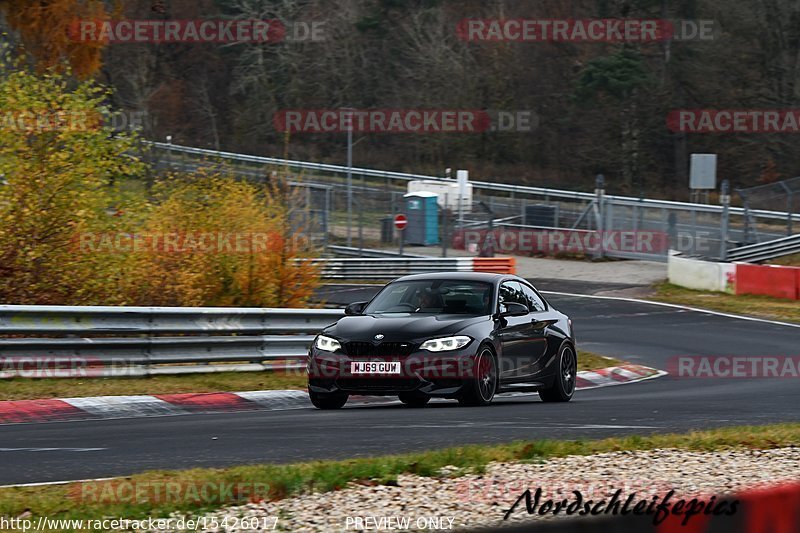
350,178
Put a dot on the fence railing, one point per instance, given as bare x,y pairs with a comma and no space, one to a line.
352,251
61,341
624,201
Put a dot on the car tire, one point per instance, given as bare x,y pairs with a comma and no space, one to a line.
328,401
414,400
566,376
480,390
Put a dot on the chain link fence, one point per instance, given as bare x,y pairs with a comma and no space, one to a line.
357,212
779,196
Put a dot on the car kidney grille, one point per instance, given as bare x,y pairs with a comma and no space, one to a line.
384,349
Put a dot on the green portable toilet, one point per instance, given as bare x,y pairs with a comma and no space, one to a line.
422,211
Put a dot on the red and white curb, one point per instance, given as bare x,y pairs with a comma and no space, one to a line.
109,407
105,407
616,375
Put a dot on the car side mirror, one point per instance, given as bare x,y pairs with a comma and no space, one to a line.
514,309
355,308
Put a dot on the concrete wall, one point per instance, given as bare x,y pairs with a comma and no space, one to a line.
701,275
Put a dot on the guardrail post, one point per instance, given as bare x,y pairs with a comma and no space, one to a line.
725,200
599,192
789,207
360,231
327,218
444,226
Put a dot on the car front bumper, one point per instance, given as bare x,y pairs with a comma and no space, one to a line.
434,374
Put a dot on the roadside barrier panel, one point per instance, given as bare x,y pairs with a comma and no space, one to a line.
500,265
769,280
696,274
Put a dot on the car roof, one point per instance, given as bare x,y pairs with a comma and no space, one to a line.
488,277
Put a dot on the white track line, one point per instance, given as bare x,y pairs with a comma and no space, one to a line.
50,483
675,306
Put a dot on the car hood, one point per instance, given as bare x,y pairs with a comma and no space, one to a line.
400,326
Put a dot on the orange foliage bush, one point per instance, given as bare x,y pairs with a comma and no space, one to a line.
212,240
43,26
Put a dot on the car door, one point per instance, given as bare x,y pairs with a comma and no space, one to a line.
540,318
516,334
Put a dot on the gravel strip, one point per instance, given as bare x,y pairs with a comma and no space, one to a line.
482,500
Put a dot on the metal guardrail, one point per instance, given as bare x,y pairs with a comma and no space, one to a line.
389,267
351,251
89,341
492,186
80,320
765,251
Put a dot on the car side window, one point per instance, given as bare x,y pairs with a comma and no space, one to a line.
510,291
532,300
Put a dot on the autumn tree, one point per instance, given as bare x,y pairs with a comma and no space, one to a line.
212,240
45,28
57,159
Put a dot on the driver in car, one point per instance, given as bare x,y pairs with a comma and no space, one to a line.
427,300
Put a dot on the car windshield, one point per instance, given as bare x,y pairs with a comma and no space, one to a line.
433,296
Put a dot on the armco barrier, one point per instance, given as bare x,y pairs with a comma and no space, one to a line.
389,268
769,280
139,341
771,510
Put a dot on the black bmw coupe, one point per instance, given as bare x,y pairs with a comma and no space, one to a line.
460,335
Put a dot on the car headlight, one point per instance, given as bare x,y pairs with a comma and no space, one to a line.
327,344
445,344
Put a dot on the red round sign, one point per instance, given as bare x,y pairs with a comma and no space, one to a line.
400,222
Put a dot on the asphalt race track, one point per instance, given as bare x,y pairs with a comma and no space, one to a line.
637,332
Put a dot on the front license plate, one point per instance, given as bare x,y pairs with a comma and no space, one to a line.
375,367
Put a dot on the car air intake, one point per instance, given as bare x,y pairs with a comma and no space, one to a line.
384,349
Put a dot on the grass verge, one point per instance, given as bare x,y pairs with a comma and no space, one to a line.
743,304
67,501
31,389
789,260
